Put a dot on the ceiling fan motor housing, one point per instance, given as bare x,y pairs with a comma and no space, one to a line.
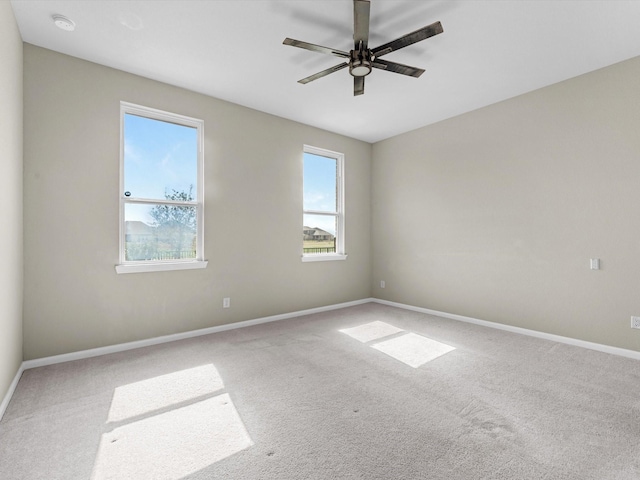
360,62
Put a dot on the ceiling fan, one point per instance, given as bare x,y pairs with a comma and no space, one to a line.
362,59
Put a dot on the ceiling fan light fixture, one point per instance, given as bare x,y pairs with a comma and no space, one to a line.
360,62
361,70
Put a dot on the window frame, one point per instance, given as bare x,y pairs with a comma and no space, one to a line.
129,266
339,214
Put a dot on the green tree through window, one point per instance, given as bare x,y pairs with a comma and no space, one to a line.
176,225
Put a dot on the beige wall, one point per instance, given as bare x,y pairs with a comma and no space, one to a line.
11,188
496,213
74,300
492,215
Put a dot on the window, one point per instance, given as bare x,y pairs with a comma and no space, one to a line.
323,205
161,191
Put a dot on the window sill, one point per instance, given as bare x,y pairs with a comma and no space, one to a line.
323,257
159,267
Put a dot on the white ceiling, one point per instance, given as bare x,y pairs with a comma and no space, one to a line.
232,49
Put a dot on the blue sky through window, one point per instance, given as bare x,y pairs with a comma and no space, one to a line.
159,157
320,181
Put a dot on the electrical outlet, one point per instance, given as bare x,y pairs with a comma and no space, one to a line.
381,283
226,302
635,322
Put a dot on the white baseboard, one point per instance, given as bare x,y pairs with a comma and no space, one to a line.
12,388
121,347
523,331
94,352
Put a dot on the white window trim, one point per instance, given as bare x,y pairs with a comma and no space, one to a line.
323,257
162,266
340,214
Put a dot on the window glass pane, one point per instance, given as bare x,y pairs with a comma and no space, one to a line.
160,158
320,183
319,234
159,232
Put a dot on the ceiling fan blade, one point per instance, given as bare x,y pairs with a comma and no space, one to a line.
408,39
361,11
323,73
358,86
315,48
397,68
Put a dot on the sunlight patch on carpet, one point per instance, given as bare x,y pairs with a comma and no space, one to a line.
371,331
412,349
163,391
174,444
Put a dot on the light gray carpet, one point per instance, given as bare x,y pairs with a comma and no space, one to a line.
300,399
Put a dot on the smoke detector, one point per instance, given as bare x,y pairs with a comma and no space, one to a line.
64,23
